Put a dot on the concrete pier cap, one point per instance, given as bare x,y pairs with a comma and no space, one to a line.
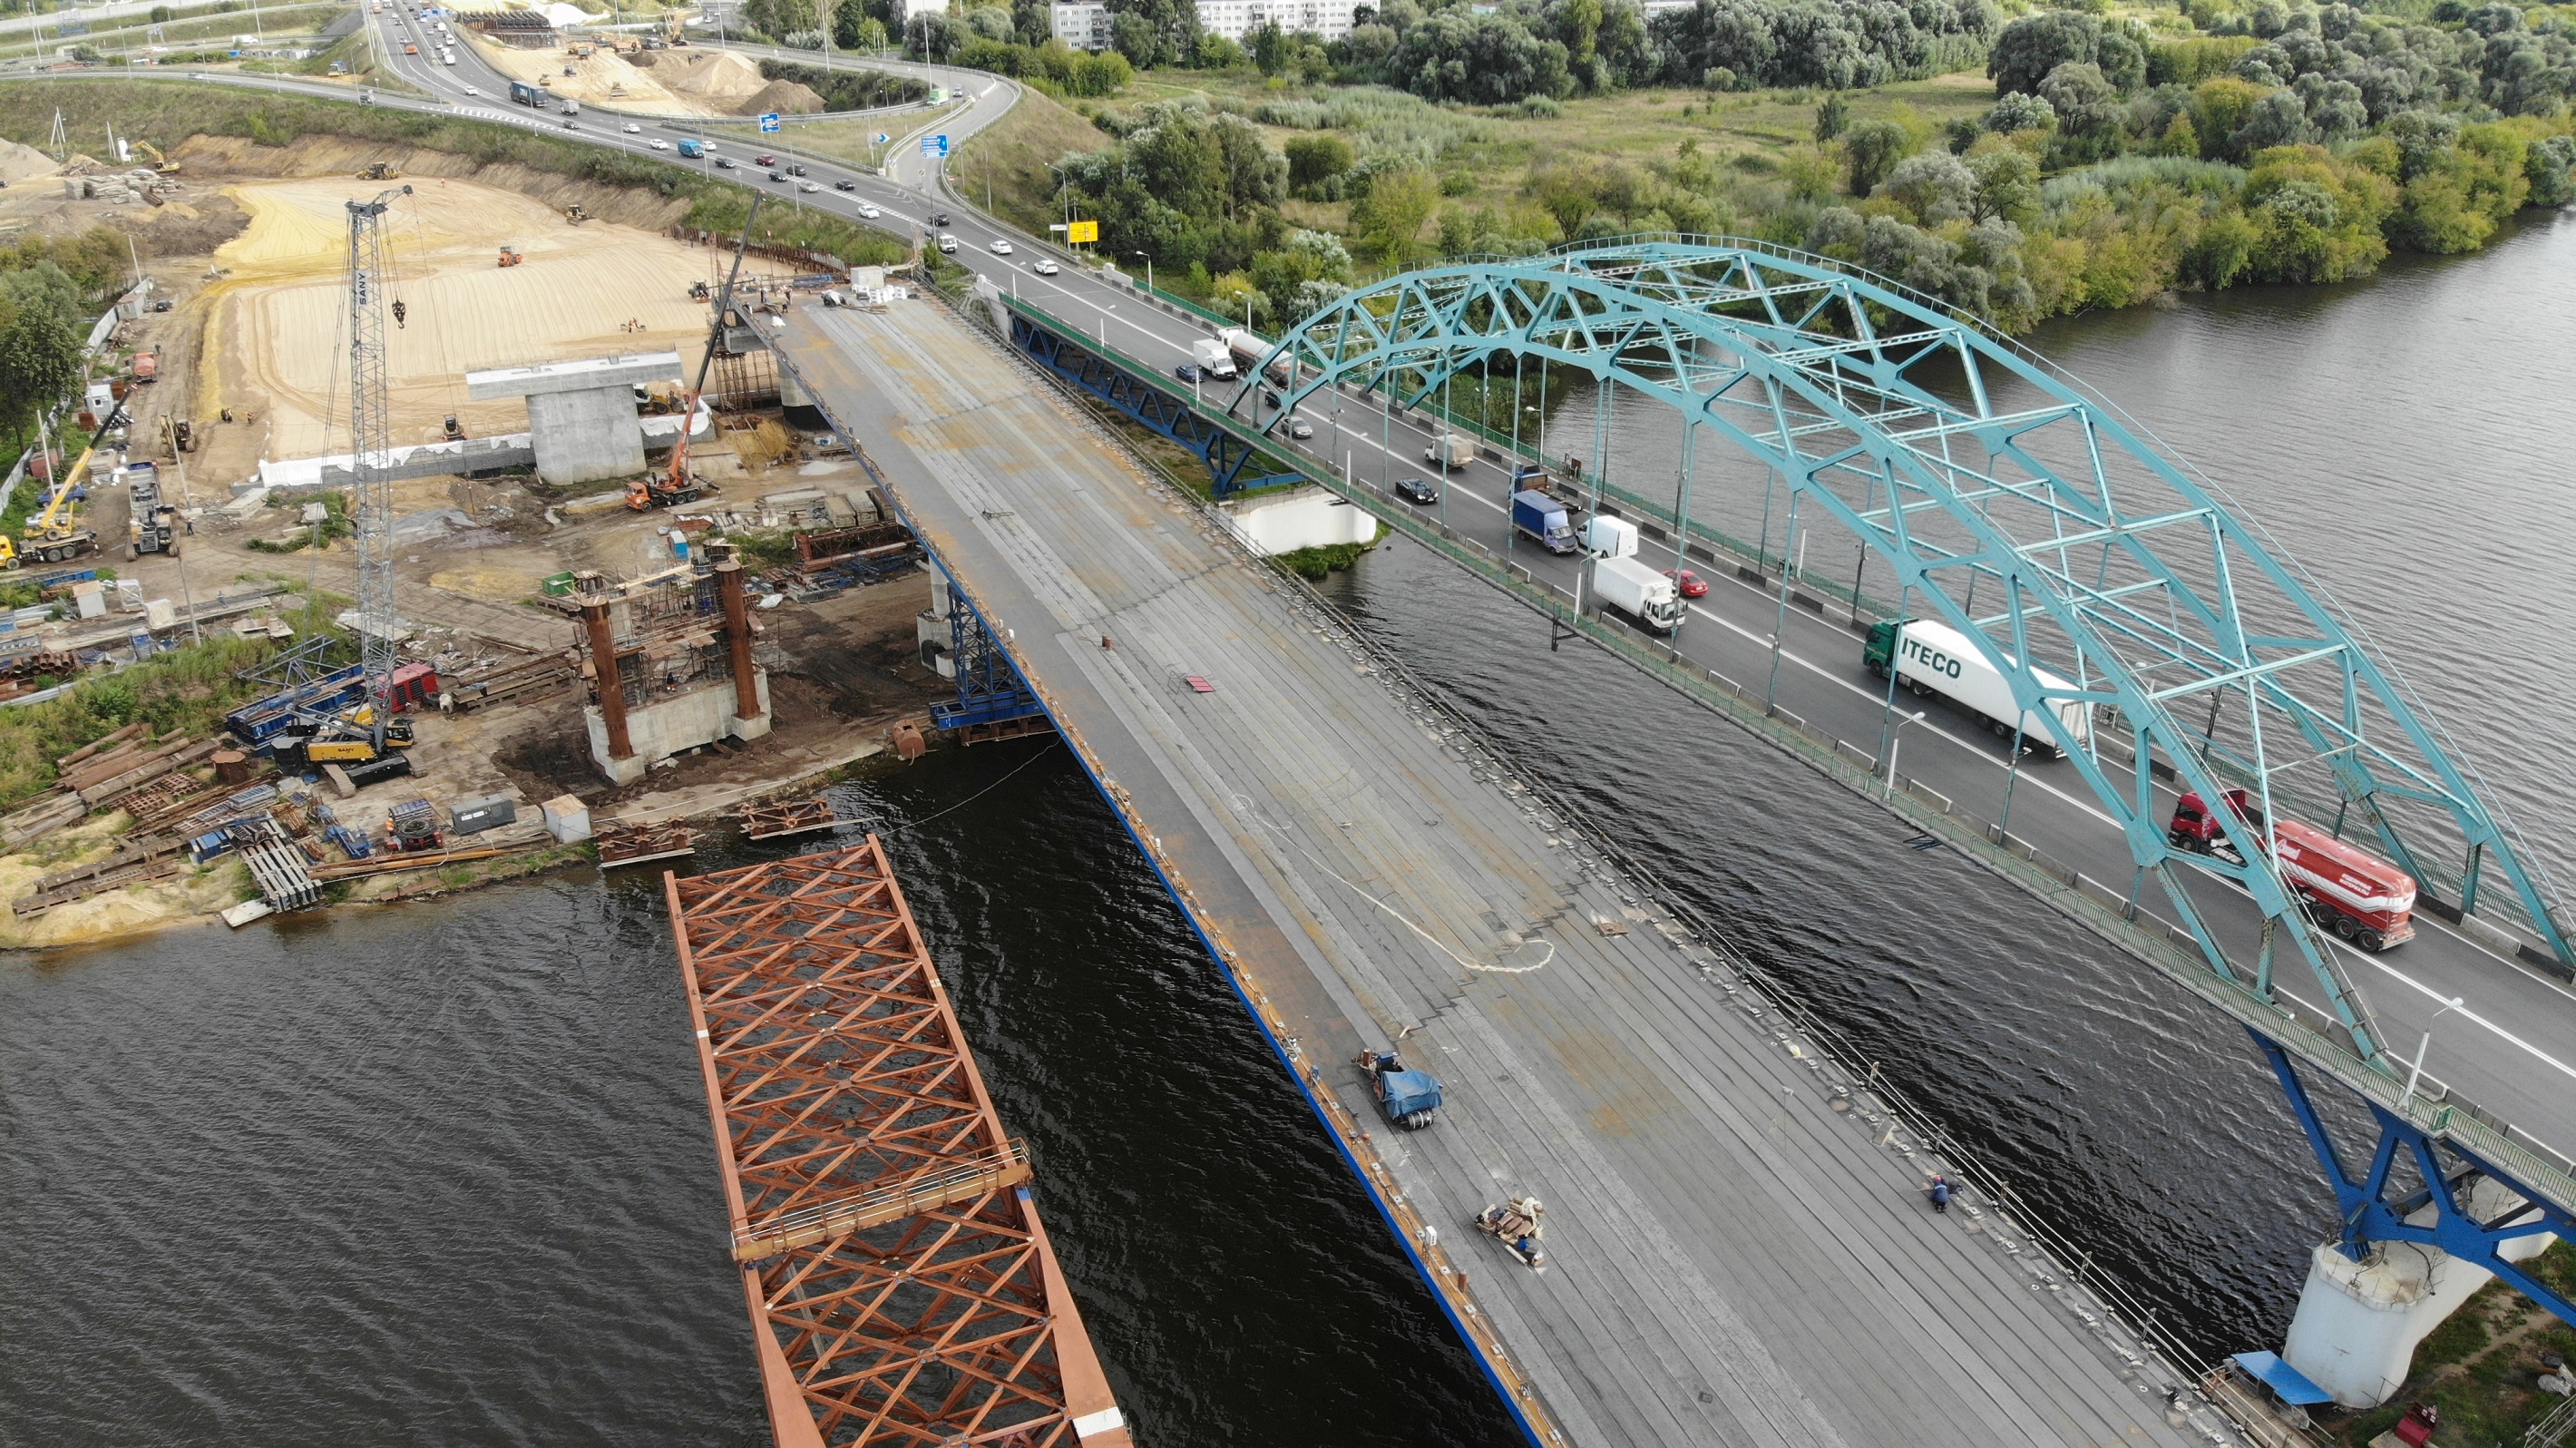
2359,1323
581,415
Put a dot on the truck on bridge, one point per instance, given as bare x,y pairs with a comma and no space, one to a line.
1638,591
2348,890
1544,520
522,93
1934,658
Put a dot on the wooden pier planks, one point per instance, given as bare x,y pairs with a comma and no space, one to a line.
1736,1262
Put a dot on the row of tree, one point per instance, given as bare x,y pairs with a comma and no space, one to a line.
50,290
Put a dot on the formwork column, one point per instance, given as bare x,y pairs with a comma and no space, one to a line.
737,612
612,689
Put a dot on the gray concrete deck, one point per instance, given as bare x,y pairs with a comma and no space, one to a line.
1731,1261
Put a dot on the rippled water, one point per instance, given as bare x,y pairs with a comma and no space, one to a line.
442,1173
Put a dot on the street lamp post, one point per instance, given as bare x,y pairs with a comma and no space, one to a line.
2415,1073
1149,267
1895,741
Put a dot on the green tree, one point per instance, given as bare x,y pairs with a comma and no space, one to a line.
1390,216
1155,32
1871,150
40,342
2034,45
1314,160
1832,116
2007,183
1032,21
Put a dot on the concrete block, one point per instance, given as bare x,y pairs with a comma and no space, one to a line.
566,817
582,437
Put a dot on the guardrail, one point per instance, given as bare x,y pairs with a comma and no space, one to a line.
2114,918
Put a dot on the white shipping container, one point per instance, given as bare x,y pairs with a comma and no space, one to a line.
1936,657
1638,591
1610,537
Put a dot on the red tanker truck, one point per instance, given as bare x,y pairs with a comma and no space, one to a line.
2351,892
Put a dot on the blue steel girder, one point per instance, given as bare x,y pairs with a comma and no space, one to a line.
1148,402
2443,1171
2113,567
990,689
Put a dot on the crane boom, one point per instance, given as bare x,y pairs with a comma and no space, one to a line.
678,481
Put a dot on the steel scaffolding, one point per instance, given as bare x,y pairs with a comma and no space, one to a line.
901,1288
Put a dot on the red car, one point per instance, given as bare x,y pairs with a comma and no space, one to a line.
764,160
1690,584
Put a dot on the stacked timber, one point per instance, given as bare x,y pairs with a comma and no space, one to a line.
150,860
32,822
106,775
520,680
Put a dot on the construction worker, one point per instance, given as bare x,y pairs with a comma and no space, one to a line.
1938,1193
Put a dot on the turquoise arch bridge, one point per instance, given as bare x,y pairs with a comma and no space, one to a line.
2083,562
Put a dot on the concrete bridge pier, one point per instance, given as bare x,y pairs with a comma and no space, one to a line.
2358,1323
581,415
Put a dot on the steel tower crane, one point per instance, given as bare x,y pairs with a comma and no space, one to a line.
369,436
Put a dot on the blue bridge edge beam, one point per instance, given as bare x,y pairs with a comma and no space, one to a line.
1147,402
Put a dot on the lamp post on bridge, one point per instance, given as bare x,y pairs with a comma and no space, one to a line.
2415,1072
1894,742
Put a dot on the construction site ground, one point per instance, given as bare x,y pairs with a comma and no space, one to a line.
256,327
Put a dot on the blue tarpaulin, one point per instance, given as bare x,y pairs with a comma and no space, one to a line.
2286,1382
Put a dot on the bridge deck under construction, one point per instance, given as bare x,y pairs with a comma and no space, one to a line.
1732,1260
901,1287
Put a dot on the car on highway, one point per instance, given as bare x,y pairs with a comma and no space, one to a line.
764,160
1415,490
571,125
658,144
724,163
869,210
947,245
939,218
1300,429
810,187
471,91
1044,266
845,184
777,175
1001,246
1687,583
1187,372
633,129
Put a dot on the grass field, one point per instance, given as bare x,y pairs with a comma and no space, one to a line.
134,32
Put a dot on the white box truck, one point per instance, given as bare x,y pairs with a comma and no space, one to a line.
1638,591
1213,359
1934,658
1450,451
1609,537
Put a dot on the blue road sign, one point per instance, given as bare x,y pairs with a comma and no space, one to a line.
769,120
882,138
934,145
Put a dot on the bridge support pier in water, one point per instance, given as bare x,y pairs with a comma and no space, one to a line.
2358,1323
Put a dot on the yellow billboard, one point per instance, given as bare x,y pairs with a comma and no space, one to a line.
1082,231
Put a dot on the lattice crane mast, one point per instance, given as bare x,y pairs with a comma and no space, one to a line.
370,436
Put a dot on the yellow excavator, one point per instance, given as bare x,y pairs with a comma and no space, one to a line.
160,163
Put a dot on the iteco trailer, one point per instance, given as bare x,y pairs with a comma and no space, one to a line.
1934,658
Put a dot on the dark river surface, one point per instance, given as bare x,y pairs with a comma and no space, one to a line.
442,1174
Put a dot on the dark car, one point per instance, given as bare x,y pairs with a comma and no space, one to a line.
724,163
796,170
1415,490
845,185
939,218
1187,372
777,176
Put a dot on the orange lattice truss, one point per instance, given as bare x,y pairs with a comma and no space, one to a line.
902,1291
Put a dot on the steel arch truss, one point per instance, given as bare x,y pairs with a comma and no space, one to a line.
2043,527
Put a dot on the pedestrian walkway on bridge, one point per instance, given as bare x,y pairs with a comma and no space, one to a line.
1739,1247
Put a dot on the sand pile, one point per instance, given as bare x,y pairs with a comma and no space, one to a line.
780,95
720,78
19,163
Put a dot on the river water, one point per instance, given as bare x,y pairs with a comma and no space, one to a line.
442,1173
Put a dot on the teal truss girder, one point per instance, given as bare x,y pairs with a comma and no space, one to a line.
2085,563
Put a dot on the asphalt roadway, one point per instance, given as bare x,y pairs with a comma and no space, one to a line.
2510,1045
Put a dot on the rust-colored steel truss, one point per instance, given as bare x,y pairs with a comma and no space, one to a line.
902,1291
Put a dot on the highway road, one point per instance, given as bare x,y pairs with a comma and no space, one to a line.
2510,1045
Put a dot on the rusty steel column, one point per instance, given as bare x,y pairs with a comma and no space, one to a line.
603,667
737,612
